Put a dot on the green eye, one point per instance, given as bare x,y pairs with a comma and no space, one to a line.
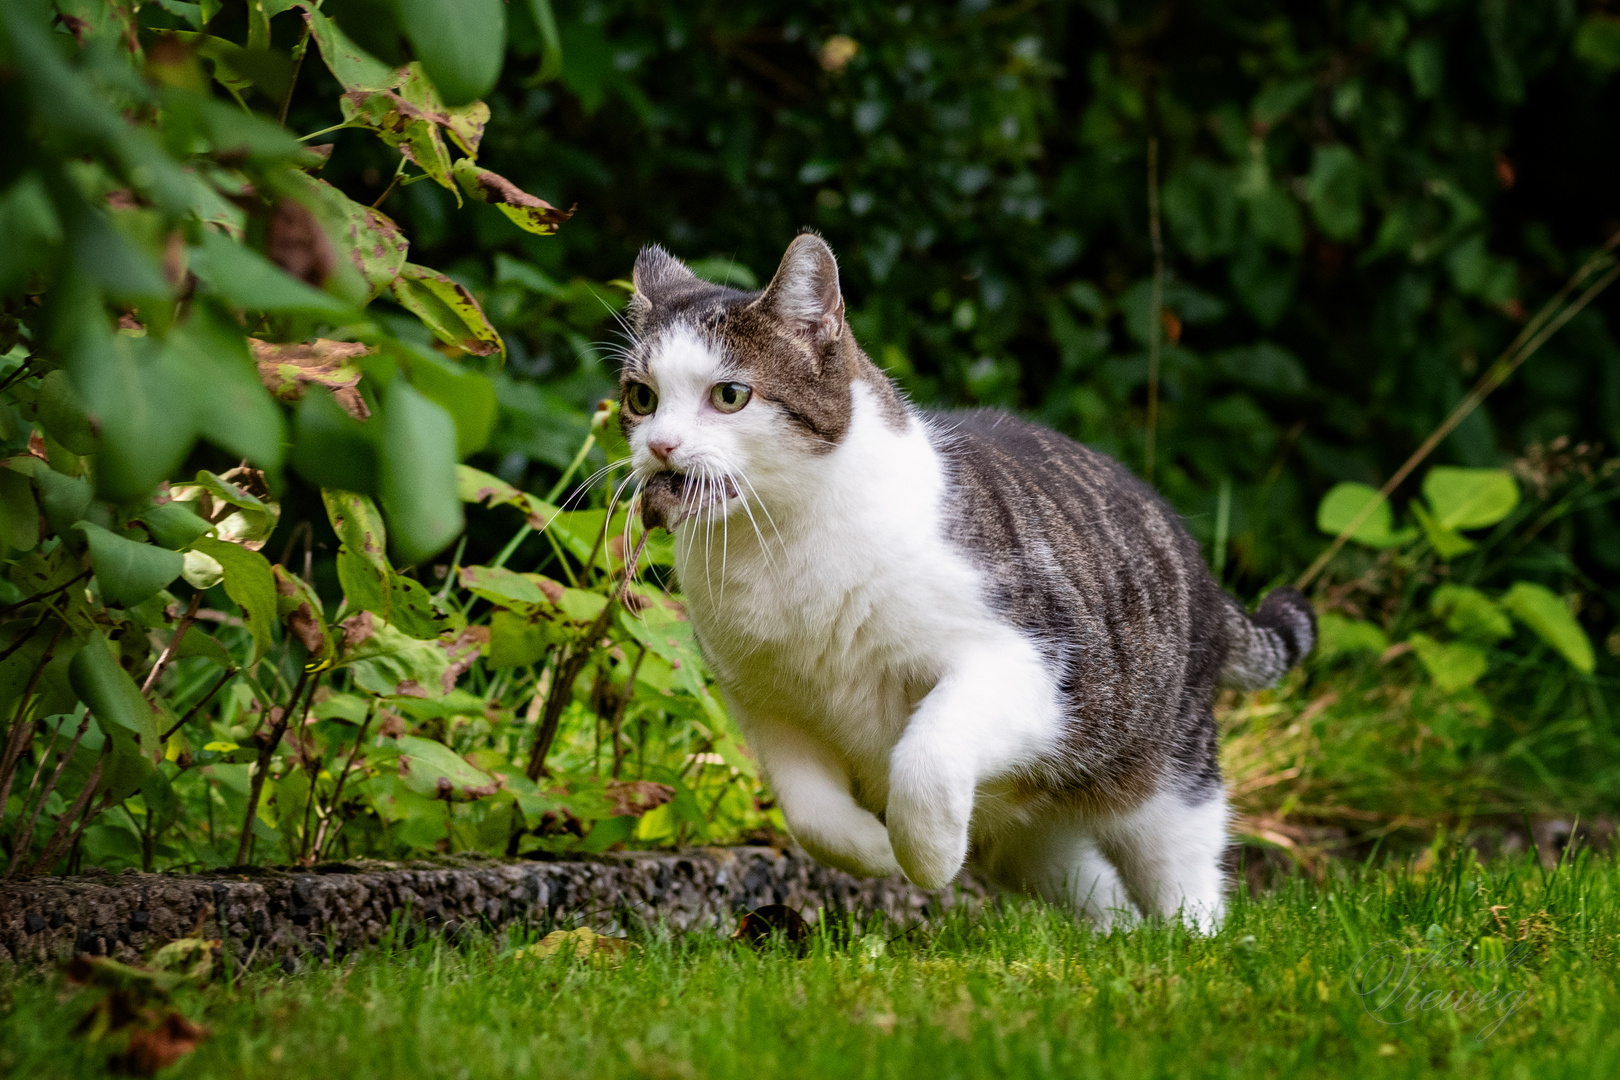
728,397
640,398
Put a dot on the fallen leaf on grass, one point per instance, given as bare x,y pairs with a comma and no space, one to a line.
583,942
151,1049
756,927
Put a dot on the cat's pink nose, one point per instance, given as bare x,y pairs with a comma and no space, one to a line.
662,446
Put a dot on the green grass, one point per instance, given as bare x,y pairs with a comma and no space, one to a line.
1020,991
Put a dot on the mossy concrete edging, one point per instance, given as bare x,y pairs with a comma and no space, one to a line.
297,916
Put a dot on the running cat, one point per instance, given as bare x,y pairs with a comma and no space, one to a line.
947,636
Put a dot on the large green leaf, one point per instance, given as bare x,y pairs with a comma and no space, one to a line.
111,694
19,513
353,67
62,413
460,43
173,525
418,473
1470,613
128,571
467,396
1333,189
1470,498
140,395
1545,612
1340,506
374,244
331,449
250,582
1453,665
1337,635
447,309
236,412
433,769
246,280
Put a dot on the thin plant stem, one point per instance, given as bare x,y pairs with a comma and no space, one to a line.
174,642
298,65
262,766
25,836
47,594
321,839
55,845
17,736
184,720
1155,313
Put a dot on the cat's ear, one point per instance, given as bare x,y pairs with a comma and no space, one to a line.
804,293
656,272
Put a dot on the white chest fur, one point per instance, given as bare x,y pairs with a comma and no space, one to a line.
848,605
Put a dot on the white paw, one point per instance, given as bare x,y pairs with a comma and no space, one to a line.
932,854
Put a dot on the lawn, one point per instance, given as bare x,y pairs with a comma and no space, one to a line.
1498,970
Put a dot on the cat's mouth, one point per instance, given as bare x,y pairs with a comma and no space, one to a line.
669,498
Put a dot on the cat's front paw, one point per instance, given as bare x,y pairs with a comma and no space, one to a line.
861,847
930,852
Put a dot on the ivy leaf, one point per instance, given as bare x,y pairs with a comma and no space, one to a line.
1545,612
1340,506
128,571
251,584
528,212
1470,498
1453,665
447,309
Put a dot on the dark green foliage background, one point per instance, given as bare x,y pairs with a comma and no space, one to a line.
1360,200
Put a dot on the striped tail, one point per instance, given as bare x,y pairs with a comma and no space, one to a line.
1269,642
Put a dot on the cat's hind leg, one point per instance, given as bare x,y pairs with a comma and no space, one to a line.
1060,863
1169,852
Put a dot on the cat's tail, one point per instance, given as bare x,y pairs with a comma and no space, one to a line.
1270,641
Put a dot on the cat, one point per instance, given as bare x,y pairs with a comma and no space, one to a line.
948,637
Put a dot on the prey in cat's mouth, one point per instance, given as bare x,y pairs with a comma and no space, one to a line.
670,497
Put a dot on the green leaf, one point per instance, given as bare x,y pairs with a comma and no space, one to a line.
1598,41
400,124
391,662
19,514
374,243
1545,612
1340,506
460,43
418,473
250,521
330,448
504,587
1447,543
528,212
1470,613
251,584
447,309
352,66
111,694
128,571
1452,665
475,486
1333,190
467,396
516,640
141,397
1338,634
62,413
63,499
237,413
1470,498
246,280
433,769
173,525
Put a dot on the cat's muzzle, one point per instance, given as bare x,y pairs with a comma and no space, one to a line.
669,498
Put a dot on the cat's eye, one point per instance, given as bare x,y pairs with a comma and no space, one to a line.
728,397
640,398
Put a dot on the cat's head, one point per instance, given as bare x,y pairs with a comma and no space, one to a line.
726,392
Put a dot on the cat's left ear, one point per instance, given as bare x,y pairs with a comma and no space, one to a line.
804,293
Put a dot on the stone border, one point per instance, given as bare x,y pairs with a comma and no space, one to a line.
294,916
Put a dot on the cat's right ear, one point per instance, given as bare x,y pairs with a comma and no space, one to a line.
656,272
